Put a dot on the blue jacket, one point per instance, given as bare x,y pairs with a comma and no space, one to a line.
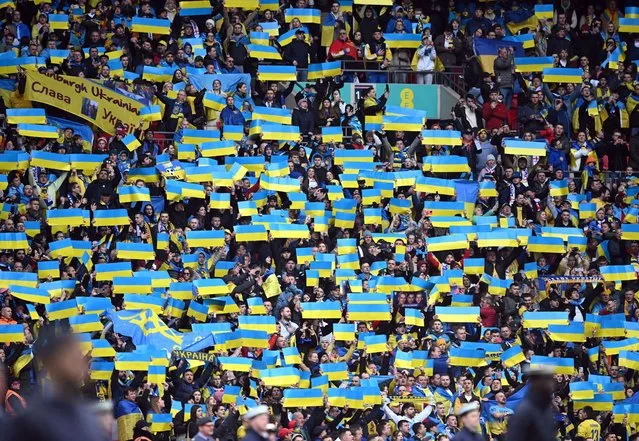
557,159
232,116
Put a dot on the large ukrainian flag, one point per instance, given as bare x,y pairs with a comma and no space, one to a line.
151,25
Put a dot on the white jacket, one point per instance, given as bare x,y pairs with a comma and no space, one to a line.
425,59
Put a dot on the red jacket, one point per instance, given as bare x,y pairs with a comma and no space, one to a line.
496,117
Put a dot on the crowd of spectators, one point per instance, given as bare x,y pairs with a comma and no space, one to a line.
372,229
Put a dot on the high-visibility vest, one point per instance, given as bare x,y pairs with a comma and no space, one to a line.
7,405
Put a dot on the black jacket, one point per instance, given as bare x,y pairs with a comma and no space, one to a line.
468,435
53,419
533,420
252,435
304,119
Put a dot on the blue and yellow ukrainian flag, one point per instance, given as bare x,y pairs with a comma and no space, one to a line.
303,397
218,148
321,310
616,390
450,314
72,217
344,331
105,272
630,232
368,312
629,359
133,285
611,329
12,333
161,422
343,155
446,164
233,133
497,238
26,293
281,377
558,365
587,210
49,160
151,113
611,273
441,137
628,25
276,73
324,70
613,347
144,174
524,148
542,319
257,323
403,41
375,344
86,162
101,348
62,310
137,251
444,208
86,323
151,25
198,311
632,12
211,287
13,241
305,15
133,193
272,114
406,123
193,8
413,317
214,101
563,75
261,38
57,56
544,12
449,242
39,131
49,268
533,64
582,390
175,308
335,371
600,403
263,52
58,22
332,134
277,169
131,142
101,370
572,332
467,357
527,40
205,239
271,28
181,290
250,233
142,301
26,116
512,356
291,356
474,266
111,217
280,132
559,188
553,245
